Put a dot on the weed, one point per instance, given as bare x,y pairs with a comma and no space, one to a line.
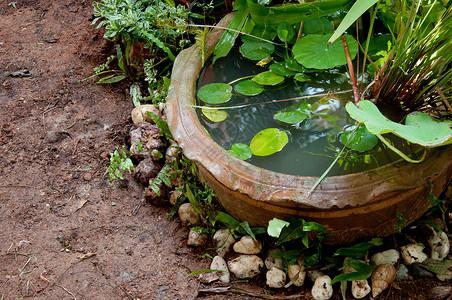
119,161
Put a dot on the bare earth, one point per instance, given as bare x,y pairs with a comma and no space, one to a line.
65,232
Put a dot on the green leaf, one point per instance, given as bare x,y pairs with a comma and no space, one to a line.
256,49
420,128
320,26
111,79
164,129
241,151
248,88
285,32
362,271
293,65
437,266
215,93
227,219
214,115
281,69
356,251
269,141
275,227
268,78
361,140
295,113
228,38
358,8
246,227
302,77
312,51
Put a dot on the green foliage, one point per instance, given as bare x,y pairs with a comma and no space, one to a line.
164,129
359,250
241,151
358,139
362,271
237,227
119,161
268,141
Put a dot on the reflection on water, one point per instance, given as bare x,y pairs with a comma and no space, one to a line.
313,144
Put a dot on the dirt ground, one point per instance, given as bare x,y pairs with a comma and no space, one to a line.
65,232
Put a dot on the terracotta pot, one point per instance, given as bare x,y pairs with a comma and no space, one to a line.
355,206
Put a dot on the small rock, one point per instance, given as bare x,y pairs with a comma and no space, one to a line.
272,261
145,139
444,277
390,256
314,274
172,151
197,239
151,196
218,263
418,271
247,245
402,273
87,176
297,274
223,241
381,278
146,170
439,243
188,215
322,289
440,292
276,278
21,73
360,288
208,278
139,113
174,195
413,253
246,266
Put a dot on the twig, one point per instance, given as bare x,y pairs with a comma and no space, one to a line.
66,291
227,289
75,147
350,69
446,103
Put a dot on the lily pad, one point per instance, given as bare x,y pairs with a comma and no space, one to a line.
361,140
295,113
255,49
285,32
302,77
268,142
215,93
268,78
248,88
214,115
281,69
293,65
241,151
420,128
312,51
320,25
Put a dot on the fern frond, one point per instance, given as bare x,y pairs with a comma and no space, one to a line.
200,39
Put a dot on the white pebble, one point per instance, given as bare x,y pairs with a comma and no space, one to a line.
246,266
218,263
439,243
197,239
247,245
390,256
272,261
223,241
322,289
139,113
297,274
276,278
413,253
360,288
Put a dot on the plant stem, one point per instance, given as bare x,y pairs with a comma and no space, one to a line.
400,153
350,69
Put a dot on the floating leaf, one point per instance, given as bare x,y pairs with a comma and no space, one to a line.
255,49
214,115
275,227
292,64
420,128
285,32
312,51
268,78
361,140
321,26
241,151
302,77
295,113
269,141
215,93
248,88
281,69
